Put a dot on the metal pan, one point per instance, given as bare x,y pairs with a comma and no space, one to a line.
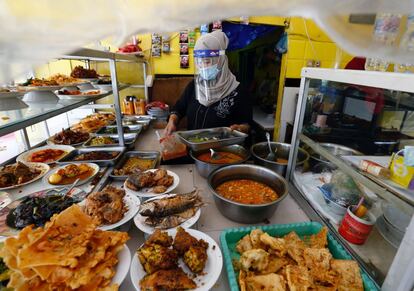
131,128
225,136
129,142
69,158
156,156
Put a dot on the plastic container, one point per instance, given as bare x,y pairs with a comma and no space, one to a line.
386,30
229,238
172,148
354,229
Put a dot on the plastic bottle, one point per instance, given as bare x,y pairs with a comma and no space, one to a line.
386,30
407,42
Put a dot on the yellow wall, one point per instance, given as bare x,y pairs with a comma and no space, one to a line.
300,48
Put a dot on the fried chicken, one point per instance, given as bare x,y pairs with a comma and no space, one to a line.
196,257
161,238
183,241
167,280
156,257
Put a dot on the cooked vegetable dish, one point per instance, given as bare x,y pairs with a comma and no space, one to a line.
114,130
247,191
221,158
102,140
198,138
135,165
37,210
96,155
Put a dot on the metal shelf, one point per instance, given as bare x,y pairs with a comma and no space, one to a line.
96,55
21,118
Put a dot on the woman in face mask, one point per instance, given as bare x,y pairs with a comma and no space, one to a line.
214,98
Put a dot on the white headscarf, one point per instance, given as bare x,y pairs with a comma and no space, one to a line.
225,82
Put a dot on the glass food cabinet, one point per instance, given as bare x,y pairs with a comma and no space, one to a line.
343,117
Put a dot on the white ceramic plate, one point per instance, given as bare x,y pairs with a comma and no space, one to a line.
95,168
139,220
40,88
10,94
212,269
146,193
25,157
132,203
101,92
44,168
122,268
104,87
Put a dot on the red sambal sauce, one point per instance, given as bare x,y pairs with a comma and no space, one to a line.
247,191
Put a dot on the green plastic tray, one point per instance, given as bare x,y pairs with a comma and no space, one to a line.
229,238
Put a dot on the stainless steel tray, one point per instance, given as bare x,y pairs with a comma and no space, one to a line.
225,135
129,142
132,129
69,158
144,123
141,154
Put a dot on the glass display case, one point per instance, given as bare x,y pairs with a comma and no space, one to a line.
354,124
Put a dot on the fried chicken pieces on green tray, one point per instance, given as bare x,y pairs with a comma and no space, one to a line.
159,257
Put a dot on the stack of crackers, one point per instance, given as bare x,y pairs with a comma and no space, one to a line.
67,253
290,263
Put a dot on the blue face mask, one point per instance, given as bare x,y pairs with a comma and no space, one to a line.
209,73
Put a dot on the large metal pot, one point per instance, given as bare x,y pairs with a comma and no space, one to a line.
247,213
204,168
261,150
335,149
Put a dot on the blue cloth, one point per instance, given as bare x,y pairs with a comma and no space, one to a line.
241,35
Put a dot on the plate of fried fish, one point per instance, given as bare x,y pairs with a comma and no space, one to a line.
151,183
111,207
177,259
169,211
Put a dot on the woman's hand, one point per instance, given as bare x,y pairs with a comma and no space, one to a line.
241,127
171,125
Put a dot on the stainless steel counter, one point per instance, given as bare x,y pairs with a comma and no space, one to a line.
211,221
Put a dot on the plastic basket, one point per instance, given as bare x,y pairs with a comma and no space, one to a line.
229,238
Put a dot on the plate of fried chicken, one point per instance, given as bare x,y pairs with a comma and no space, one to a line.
151,183
177,259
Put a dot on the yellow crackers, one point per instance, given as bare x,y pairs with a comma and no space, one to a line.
290,263
68,253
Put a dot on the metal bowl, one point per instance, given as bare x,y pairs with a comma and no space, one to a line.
204,168
335,149
261,150
247,213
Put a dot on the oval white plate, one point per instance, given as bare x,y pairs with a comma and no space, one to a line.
40,88
101,92
147,194
132,203
212,269
122,268
139,220
95,168
44,168
24,157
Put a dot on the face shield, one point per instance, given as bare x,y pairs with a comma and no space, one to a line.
207,74
206,64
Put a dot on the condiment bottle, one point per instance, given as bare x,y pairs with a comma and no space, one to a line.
140,107
129,105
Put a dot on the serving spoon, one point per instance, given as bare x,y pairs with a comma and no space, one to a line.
271,155
214,155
